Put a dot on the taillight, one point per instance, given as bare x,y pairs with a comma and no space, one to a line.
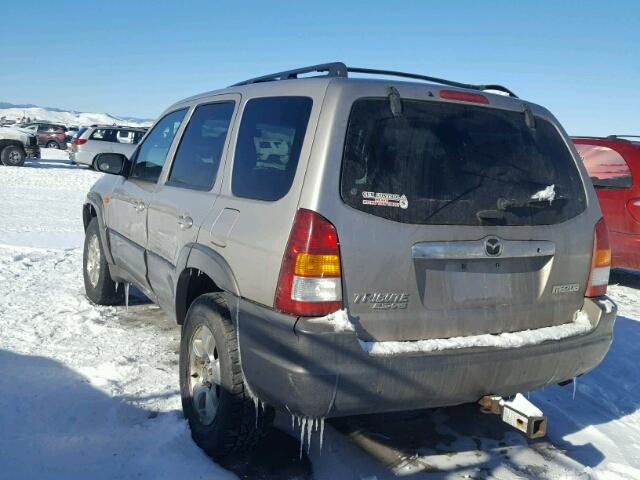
600,261
463,96
80,141
310,277
633,206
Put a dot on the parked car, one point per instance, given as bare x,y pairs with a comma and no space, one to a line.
91,141
613,164
49,135
71,132
425,244
16,145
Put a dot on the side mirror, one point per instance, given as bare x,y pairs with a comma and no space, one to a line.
112,163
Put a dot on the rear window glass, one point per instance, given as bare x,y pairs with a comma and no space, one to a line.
125,136
606,167
268,148
454,164
101,134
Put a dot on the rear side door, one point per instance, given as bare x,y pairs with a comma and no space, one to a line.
43,134
186,196
127,217
100,141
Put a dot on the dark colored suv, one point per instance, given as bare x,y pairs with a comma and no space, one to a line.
49,135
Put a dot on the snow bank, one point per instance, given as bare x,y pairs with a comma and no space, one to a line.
67,117
578,326
338,320
548,193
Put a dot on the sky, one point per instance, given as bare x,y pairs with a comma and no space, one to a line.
581,60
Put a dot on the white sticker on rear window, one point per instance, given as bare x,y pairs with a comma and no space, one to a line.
385,199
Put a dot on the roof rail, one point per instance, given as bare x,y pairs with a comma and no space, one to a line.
335,69
392,73
339,69
623,137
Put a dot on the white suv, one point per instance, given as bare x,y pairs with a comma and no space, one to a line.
96,139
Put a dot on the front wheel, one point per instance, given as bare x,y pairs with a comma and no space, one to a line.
12,156
52,144
98,285
221,414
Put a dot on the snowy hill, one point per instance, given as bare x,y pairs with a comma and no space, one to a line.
65,117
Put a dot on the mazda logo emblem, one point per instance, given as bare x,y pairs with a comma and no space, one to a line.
493,247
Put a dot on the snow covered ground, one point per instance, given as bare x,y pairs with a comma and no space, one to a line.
92,392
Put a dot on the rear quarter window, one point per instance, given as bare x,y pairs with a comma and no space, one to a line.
606,167
268,148
453,164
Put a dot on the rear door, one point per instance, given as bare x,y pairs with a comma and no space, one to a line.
459,219
182,202
130,199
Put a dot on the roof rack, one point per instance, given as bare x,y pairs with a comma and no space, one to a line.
623,137
111,125
620,138
339,69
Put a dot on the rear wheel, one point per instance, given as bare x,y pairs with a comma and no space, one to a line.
221,414
52,144
12,156
98,285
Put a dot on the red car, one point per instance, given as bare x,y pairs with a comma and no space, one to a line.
613,164
49,135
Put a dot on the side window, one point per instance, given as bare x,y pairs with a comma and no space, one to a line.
124,136
137,136
269,143
100,134
151,155
198,157
606,167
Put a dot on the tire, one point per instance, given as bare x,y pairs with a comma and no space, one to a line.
98,285
12,156
52,144
234,430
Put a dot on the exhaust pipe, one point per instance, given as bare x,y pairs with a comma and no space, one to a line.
518,412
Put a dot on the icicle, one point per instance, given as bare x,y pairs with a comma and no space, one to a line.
321,433
309,428
293,420
255,402
126,295
575,384
117,286
303,424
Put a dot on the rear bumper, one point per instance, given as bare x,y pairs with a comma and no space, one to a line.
291,365
82,158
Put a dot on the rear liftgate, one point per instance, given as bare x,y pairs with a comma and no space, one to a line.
518,412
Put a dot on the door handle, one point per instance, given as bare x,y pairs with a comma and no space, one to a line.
139,206
185,222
